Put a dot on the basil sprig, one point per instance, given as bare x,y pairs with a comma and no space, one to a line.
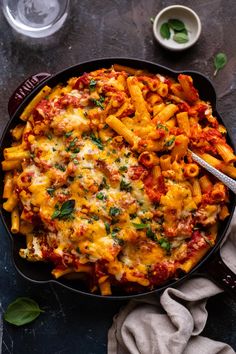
21,311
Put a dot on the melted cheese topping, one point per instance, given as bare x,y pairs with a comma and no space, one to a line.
93,202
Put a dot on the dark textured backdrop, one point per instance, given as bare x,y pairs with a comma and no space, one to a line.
73,324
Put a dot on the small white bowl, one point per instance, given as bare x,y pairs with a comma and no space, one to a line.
187,16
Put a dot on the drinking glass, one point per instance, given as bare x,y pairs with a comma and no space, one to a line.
36,18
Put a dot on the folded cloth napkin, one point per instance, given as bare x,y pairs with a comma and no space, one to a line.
171,323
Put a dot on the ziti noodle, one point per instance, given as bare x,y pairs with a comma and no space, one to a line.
99,181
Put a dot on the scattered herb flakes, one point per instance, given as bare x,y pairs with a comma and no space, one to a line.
21,311
151,19
72,146
220,60
97,141
65,211
165,30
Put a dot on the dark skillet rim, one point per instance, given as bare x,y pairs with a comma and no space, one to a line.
136,63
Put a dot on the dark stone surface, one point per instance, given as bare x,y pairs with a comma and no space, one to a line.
109,28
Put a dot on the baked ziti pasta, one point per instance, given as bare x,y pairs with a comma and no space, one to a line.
99,181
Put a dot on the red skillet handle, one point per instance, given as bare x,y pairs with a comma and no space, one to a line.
221,274
24,90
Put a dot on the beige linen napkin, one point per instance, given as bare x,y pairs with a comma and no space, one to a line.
171,323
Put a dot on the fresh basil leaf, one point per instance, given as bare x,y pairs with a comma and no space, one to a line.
65,211
97,141
67,208
165,30
56,214
21,311
176,25
220,61
180,37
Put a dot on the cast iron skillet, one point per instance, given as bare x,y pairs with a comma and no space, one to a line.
210,266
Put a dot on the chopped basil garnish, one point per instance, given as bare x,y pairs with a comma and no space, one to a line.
140,226
164,243
125,186
150,234
103,184
114,236
161,126
60,167
107,227
97,141
98,103
114,211
51,191
92,84
101,196
170,142
123,168
68,134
